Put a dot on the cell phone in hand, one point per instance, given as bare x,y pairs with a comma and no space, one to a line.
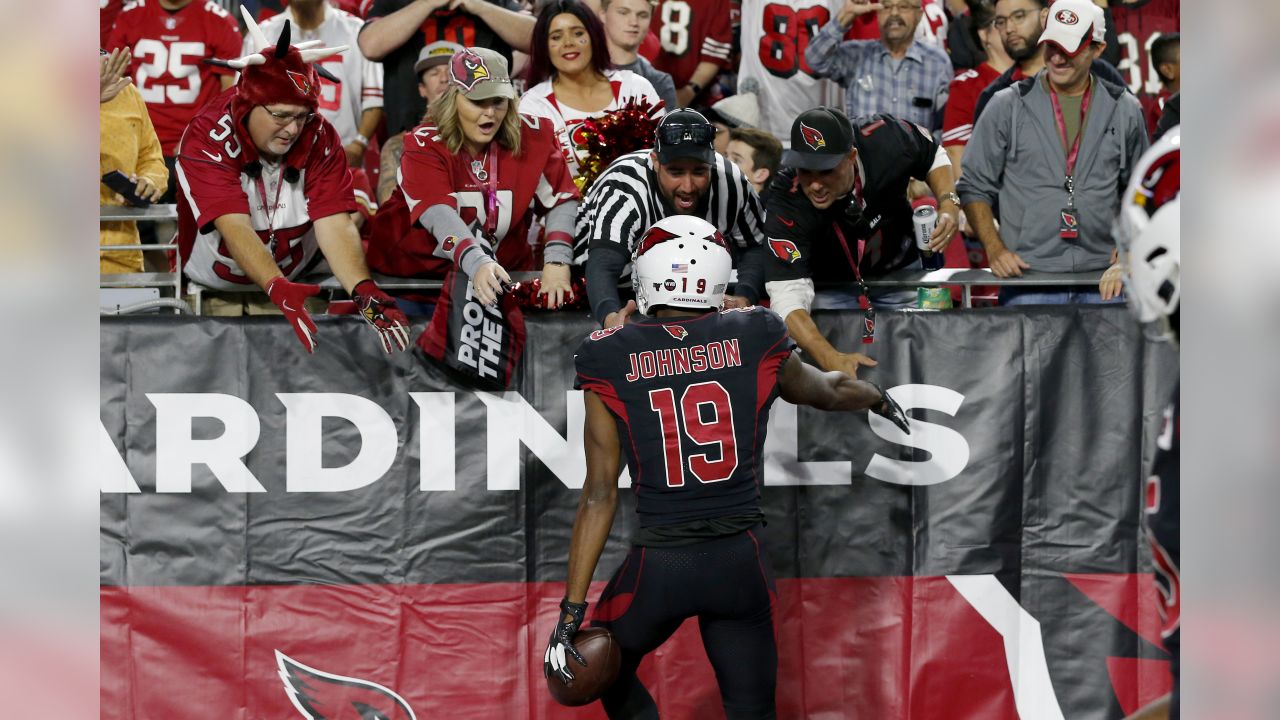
125,187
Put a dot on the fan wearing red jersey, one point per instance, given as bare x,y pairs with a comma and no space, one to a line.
685,391
966,87
170,41
467,185
696,41
265,186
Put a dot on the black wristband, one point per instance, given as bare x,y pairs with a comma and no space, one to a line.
697,89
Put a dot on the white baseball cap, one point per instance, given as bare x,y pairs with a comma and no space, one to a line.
1072,23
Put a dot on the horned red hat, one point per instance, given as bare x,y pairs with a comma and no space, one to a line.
280,74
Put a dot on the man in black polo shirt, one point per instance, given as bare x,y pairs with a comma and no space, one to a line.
839,213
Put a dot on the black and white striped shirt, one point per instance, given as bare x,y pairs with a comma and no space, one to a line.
625,201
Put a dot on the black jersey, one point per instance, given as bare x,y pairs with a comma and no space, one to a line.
1162,527
804,241
691,397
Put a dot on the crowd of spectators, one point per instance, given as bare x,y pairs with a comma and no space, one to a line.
1044,108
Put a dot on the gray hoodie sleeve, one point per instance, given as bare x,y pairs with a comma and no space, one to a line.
443,221
985,155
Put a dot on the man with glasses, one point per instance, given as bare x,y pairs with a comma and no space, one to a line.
1055,150
681,175
265,192
895,74
1020,23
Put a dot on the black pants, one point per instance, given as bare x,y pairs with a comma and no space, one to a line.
725,584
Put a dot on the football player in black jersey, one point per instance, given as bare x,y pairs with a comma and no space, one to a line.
1149,234
684,390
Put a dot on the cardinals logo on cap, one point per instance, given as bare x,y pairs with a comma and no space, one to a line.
467,69
320,695
812,137
676,331
785,250
300,81
1066,17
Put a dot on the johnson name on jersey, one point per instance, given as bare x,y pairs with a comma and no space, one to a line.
692,397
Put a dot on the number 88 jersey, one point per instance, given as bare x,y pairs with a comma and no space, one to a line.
774,36
691,396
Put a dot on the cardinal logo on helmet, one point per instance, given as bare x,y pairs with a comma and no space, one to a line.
812,137
467,69
785,250
320,695
676,331
300,81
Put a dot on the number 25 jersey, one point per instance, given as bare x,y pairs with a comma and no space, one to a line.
691,396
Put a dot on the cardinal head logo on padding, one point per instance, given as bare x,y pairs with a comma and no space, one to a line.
324,696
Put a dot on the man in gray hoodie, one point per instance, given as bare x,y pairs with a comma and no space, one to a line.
1055,150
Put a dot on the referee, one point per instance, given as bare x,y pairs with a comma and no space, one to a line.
681,175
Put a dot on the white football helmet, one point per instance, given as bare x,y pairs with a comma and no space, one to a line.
682,261
1148,232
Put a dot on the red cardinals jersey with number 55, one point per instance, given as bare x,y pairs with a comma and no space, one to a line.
220,173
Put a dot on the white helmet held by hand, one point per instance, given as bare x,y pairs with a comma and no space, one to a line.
1148,233
681,262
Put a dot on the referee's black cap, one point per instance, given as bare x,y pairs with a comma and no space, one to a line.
820,139
685,133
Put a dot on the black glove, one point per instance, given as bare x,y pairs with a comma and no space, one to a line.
890,409
561,642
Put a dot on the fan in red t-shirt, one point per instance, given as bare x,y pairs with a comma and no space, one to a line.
265,186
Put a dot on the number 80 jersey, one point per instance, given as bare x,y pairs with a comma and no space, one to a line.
774,36
691,396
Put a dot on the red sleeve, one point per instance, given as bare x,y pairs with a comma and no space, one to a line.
426,174
328,182
227,43
120,36
717,43
208,178
957,117
559,187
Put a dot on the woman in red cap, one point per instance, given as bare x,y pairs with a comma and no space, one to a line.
468,183
265,185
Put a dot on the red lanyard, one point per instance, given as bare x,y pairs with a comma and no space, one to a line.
491,199
270,210
863,301
1073,153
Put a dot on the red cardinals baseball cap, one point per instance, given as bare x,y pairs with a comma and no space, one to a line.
481,73
1073,24
820,139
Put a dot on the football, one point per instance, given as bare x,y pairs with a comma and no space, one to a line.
589,683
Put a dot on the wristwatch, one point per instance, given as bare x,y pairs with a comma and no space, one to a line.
361,139
952,196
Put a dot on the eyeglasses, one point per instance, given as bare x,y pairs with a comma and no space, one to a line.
283,118
901,9
680,133
1017,16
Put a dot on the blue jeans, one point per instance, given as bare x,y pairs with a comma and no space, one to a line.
1055,295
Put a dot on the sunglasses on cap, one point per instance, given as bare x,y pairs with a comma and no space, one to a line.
681,133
